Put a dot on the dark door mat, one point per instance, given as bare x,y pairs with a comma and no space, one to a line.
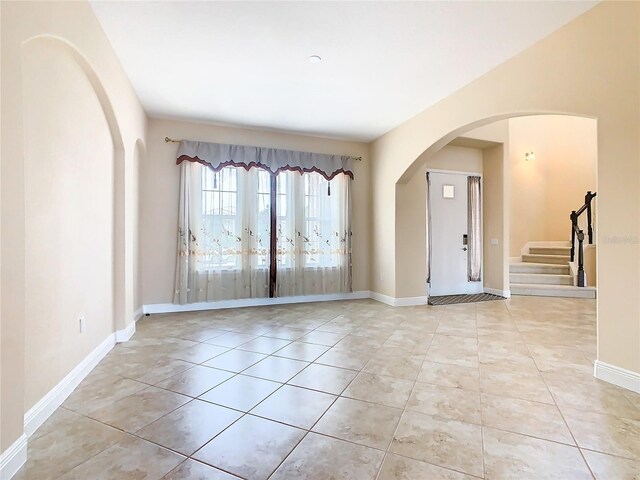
453,299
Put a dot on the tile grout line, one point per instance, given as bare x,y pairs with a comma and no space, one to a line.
359,322
248,413
338,396
484,463
404,409
367,401
430,415
526,435
555,403
144,439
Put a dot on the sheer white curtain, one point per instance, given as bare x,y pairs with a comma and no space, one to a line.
223,234
313,234
474,217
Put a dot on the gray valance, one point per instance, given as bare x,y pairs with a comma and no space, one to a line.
220,155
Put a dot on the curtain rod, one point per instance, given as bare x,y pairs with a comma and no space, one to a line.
167,139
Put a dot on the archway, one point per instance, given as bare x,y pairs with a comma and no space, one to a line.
410,263
571,71
74,162
410,203
463,129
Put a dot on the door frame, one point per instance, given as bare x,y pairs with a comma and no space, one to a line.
430,230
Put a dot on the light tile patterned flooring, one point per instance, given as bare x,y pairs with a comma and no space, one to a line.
349,390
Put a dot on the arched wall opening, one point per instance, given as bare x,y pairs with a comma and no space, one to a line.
471,126
570,71
40,138
540,210
72,152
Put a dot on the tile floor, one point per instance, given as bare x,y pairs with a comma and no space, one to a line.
349,390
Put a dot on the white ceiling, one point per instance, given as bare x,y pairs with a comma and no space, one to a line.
245,63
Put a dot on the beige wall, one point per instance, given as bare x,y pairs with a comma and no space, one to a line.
495,217
70,123
457,159
590,271
68,158
491,133
159,195
484,153
590,67
139,158
411,213
555,183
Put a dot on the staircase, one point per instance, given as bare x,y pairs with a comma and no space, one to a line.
545,271
545,268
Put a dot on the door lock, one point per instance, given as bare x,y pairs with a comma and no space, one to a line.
464,248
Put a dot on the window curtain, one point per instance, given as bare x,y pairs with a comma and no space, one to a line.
223,237
274,160
224,234
313,234
474,215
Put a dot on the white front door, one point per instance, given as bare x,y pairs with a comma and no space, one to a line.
448,204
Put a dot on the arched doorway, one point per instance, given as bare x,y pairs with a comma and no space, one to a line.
503,157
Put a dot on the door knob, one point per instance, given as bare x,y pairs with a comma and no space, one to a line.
464,248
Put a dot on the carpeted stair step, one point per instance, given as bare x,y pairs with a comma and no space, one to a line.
555,259
548,269
541,278
566,251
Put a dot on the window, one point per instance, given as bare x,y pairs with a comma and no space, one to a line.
263,209
221,225
247,233
286,233
317,221
236,219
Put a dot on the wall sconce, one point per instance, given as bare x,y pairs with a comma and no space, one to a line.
529,156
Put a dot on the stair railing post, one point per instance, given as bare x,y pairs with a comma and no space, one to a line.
587,200
574,223
581,279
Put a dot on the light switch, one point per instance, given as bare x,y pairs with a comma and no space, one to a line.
494,241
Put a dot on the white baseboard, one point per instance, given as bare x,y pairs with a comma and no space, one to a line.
137,315
256,302
501,293
398,302
13,458
410,301
618,376
379,297
42,410
251,302
126,333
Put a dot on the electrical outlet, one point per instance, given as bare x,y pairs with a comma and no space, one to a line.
494,241
82,323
